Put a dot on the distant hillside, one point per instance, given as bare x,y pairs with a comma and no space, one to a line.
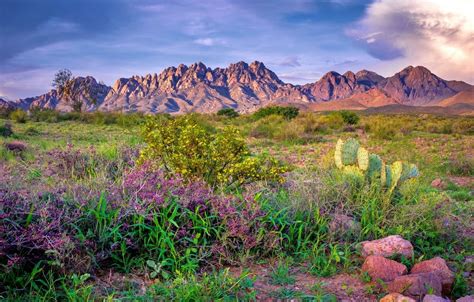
247,87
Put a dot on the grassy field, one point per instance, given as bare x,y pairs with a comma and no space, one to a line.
91,209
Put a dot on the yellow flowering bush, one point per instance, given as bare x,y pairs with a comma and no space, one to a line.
182,145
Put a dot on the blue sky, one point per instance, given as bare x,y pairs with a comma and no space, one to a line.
300,39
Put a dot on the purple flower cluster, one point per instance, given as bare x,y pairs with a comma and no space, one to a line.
146,186
35,230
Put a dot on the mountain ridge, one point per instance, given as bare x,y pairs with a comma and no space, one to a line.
247,87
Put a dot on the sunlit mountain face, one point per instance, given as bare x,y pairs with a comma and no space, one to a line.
299,40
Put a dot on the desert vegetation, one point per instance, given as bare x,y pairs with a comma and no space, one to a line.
279,204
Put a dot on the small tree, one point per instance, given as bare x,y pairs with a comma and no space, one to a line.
62,79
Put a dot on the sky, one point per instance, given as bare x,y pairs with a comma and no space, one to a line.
299,40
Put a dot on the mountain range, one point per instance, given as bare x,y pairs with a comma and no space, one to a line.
247,87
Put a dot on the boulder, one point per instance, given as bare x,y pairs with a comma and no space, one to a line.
417,285
433,298
379,267
438,183
438,266
387,247
342,224
466,299
396,297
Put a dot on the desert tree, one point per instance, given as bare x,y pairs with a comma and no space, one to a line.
63,81
62,78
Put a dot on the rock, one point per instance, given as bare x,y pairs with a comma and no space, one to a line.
466,299
379,267
388,247
396,297
438,183
438,266
16,146
417,285
342,224
469,264
433,298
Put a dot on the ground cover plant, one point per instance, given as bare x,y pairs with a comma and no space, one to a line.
101,206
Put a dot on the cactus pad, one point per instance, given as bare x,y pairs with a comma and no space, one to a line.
375,165
413,171
363,159
338,154
388,179
349,152
397,170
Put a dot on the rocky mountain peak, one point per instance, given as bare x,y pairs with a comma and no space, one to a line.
245,87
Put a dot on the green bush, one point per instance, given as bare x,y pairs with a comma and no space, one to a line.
19,116
350,117
287,112
38,114
6,130
228,112
184,146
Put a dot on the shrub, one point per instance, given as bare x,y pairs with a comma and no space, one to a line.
183,146
6,130
287,112
19,116
349,117
332,121
228,112
269,127
32,131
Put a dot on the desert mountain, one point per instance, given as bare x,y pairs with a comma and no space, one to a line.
247,87
463,97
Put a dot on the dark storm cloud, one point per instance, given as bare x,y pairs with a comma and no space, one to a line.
27,24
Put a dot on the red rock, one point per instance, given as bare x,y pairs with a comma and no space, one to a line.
396,297
466,299
417,285
388,247
433,298
438,183
438,266
379,267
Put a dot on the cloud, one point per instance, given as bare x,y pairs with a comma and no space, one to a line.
438,34
209,41
27,24
291,61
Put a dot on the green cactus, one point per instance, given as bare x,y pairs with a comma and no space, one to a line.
338,154
363,159
375,166
387,180
356,160
397,170
349,152
413,171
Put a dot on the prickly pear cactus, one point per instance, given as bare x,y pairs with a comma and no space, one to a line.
349,152
397,170
363,159
338,154
356,160
387,181
375,166
413,171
